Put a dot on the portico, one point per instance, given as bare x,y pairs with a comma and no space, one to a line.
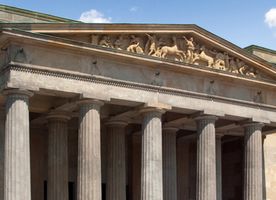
118,124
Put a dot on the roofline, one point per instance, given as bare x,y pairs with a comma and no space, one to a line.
78,44
38,15
251,47
102,28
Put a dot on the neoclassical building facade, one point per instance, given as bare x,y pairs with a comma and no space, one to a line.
132,112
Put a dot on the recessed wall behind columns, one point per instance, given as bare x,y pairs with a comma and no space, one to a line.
270,166
232,169
39,146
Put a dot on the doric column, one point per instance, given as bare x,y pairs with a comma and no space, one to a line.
57,156
116,161
89,151
152,176
169,163
2,150
17,185
253,186
218,166
206,158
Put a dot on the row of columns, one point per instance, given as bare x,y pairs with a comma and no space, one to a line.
17,155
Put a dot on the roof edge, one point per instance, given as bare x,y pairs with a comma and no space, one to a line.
251,47
38,15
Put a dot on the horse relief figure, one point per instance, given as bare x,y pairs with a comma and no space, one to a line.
220,59
134,46
166,51
202,56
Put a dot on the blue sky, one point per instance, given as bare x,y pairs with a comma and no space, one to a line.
241,22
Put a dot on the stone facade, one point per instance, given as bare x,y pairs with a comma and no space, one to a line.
92,111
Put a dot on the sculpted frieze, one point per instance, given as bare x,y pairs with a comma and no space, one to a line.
181,48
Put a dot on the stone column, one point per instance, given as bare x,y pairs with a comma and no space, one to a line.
89,151
2,151
152,176
218,166
253,186
57,156
169,163
116,161
17,178
206,158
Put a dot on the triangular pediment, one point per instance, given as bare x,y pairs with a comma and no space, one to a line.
185,45
189,48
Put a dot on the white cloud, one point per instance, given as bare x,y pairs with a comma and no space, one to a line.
270,17
133,9
94,16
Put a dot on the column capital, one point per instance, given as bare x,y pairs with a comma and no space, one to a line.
116,123
155,107
170,129
58,116
255,125
219,135
90,101
24,92
208,118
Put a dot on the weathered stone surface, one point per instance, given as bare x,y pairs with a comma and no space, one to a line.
116,161
152,176
169,163
17,185
89,158
206,158
253,162
269,178
218,166
57,187
2,151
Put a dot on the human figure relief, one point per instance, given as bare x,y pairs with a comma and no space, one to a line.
134,46
173,51
105,42
233,66
118,43
190,49
152,41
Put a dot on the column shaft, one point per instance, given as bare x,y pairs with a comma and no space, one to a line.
169,163
253,186
89,152
116,164
152,180
218,167
57,158
206,158
17,185
2,152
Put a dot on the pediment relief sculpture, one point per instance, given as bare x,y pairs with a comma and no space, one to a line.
182,48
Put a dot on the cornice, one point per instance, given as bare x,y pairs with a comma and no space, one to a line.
132,85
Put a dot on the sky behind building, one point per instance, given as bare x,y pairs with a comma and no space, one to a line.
240,22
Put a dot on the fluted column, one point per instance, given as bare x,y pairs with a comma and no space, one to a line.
253,185
206,158
152,176
89,151
17,181
57,156
2,150
218,166
169,163
116,164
